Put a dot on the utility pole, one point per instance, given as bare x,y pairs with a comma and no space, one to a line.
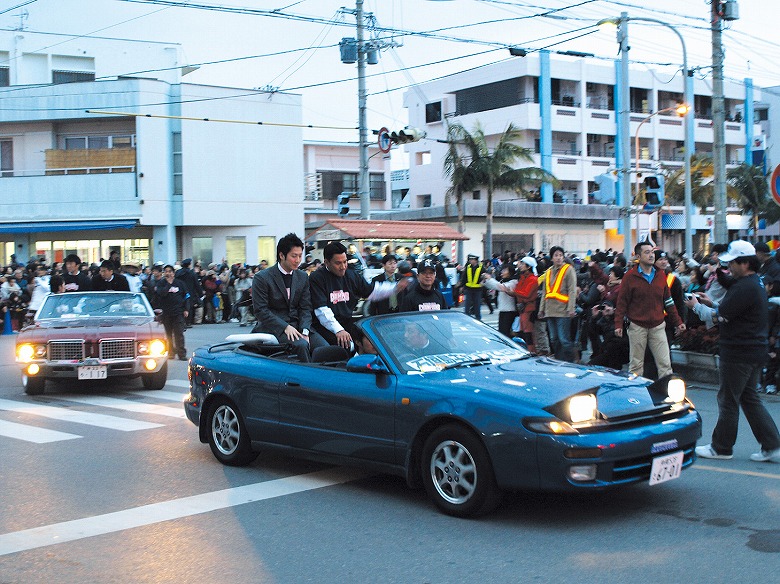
718,127
625,136
363,187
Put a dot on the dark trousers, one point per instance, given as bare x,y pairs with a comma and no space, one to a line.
473,301
174,330
738,388
505,320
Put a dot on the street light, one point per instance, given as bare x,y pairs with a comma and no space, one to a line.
622,38
681,109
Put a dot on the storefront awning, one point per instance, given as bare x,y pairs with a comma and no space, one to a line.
51,226
338,229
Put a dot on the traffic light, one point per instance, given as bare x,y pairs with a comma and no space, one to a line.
654,191
343,203
607,183
407,135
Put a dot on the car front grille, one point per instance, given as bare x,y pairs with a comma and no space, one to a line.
117,349
638,469
66,350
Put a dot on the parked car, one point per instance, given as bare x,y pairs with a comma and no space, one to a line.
448,403
92,335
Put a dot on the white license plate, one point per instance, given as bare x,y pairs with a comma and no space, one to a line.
93,372
665,468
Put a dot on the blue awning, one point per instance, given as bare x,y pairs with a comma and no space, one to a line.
46,226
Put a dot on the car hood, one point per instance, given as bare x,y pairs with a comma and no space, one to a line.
541,382
91,326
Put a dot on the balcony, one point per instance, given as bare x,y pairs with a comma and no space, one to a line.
70,196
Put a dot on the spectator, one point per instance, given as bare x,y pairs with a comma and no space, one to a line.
174,302
243,287
41,287
150,286
389,265
559,297
192,286
131,270
742,316
717,276
527,296
504,287
644,295
769,271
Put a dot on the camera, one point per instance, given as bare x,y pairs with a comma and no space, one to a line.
688,296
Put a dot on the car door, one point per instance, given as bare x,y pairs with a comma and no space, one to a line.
333,411
255,385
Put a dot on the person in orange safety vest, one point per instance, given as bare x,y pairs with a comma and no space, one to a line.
557,306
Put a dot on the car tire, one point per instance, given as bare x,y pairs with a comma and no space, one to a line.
156,380
457,473
33,385
228,436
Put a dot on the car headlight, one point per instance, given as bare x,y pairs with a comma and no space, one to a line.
548,426
153,348
675,389
27,352
582,408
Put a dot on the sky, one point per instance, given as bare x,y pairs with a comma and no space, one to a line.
292,45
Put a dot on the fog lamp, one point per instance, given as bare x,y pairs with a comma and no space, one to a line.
33,369
582,472
150,364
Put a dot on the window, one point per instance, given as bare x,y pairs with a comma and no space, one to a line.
5,79
71,76
423,158
97,142
376,187
266,249
433,112
75,143
235,250
122,141
178,177
202,250
424,200
489,97
476,195
6,158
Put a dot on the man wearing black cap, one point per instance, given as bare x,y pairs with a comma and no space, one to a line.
423,295
472,286
192,283
389,264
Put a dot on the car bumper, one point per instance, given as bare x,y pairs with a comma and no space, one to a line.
622,456
113,368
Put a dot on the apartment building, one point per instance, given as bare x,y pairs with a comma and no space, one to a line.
103,146
582,117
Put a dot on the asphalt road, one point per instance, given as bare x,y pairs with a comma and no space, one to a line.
125,492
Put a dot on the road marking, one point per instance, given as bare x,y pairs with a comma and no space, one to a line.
126,405
749,473
67,531
32,433
162,395
67,415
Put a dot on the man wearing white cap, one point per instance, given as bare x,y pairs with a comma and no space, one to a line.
742,315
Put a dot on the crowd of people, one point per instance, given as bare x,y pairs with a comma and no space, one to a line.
601,309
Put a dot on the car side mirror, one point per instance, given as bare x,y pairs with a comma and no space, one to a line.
366,364
157,314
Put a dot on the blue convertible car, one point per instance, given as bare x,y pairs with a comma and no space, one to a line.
448,403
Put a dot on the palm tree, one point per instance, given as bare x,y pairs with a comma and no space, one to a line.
753,190
702,184
456,168
489,167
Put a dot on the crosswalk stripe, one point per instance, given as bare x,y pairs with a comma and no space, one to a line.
126,405
153,513
67,415
32,433
163,395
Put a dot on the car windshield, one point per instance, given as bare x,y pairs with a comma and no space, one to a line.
423,342
80,305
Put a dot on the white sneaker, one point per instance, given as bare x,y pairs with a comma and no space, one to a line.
766,456
708,451
771,389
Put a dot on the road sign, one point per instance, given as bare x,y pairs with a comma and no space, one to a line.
774,184
384,140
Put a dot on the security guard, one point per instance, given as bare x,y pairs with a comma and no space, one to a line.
472,286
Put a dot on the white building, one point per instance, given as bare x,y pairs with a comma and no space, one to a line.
155,188
582,119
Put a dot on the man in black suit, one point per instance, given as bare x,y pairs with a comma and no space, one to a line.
107,279
282,300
